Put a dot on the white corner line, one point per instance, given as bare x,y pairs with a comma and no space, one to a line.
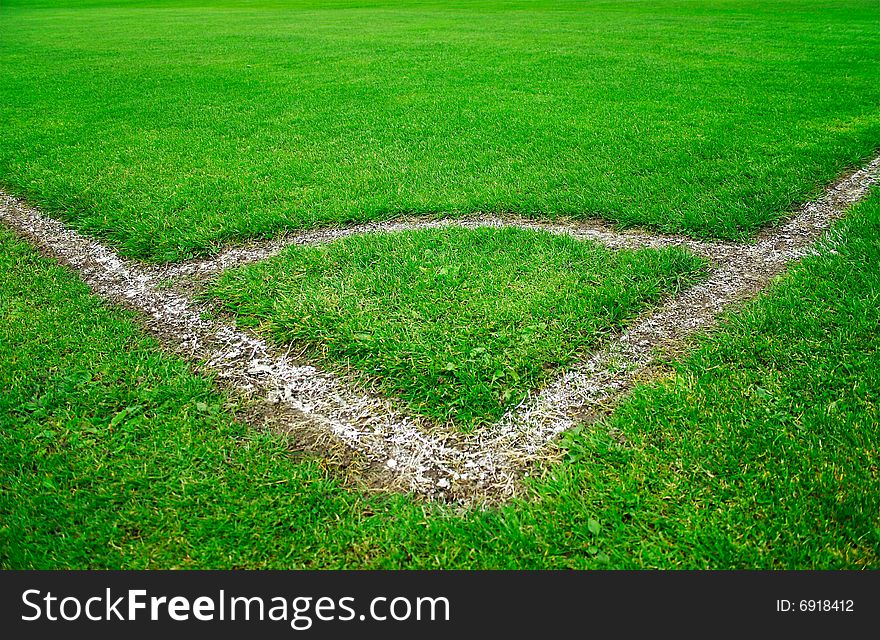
259,250
479,466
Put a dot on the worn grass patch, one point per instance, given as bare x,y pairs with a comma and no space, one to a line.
171,126
459,323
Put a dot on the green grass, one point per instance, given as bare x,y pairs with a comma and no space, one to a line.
760,452
171,126
459,323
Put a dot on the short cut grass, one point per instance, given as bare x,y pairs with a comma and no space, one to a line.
459,323
173,126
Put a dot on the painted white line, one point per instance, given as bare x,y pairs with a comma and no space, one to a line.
257,251
482,465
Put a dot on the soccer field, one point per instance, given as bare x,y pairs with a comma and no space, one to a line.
439,285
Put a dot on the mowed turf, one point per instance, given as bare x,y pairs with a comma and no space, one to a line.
760,451
172,126
459,323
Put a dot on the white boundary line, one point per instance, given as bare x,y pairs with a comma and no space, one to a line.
596,231
482,465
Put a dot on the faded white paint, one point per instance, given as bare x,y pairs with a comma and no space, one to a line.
488,463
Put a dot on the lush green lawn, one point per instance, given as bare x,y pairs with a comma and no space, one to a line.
459,323
761,451
171,126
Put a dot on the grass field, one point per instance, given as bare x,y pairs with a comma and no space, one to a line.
761,451
169,128
172,126
458,323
